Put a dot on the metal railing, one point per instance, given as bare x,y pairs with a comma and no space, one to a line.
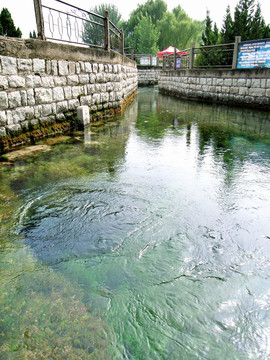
142,59
63,22
222,56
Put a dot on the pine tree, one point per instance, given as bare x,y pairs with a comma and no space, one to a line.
227,31
243,18
33,35
257,28
207,36
7,25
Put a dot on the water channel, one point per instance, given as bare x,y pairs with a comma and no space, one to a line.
147,237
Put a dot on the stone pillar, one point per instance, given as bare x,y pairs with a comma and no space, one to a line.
83,115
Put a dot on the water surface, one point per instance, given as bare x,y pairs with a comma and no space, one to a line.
144,238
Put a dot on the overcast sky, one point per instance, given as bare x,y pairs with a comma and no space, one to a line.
22,11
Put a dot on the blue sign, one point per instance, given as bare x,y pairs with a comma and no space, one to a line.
254,54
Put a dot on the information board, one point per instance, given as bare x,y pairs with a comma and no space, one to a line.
254,54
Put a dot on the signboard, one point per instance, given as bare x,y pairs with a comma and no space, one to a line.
146,60
254,54
178,63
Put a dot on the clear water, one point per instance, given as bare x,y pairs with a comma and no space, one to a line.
144,238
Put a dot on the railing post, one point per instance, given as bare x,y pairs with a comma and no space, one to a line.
235,51
191,55
122,51
107,45
39,20
164,62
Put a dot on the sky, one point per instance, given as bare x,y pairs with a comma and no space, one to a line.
22,11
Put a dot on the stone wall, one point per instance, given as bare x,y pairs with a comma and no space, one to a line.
148,76
42,83
249,88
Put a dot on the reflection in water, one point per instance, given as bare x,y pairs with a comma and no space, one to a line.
143,238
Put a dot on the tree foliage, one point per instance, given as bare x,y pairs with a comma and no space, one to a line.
146,36
248,23
7,26
175,28
178,29
32,35
93,33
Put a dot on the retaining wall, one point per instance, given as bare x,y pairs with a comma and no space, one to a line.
148,76
42,83
249,88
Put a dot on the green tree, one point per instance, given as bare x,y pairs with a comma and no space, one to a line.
33,35
227,30
146,36
258,29
93,33
7,26
154,9
114,14
243,15
210,35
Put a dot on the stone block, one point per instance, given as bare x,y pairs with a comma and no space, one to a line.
32,81
86,100
104,97
95,68
54,68
3,83
243,90
47,110
263,83
88,67
14,99
30,97
73,80
61,107
3,100
72,68
24,97
60,80
82,66
63,67
256,83
256,92
77,91
73,104
13,129
43,96
47,81
9,65
78,68
16,81
67,92
18,115
227,82
3,118
84,79
39,66
28,112
96,98
83,115
242,82
90,89
58,94
25,65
